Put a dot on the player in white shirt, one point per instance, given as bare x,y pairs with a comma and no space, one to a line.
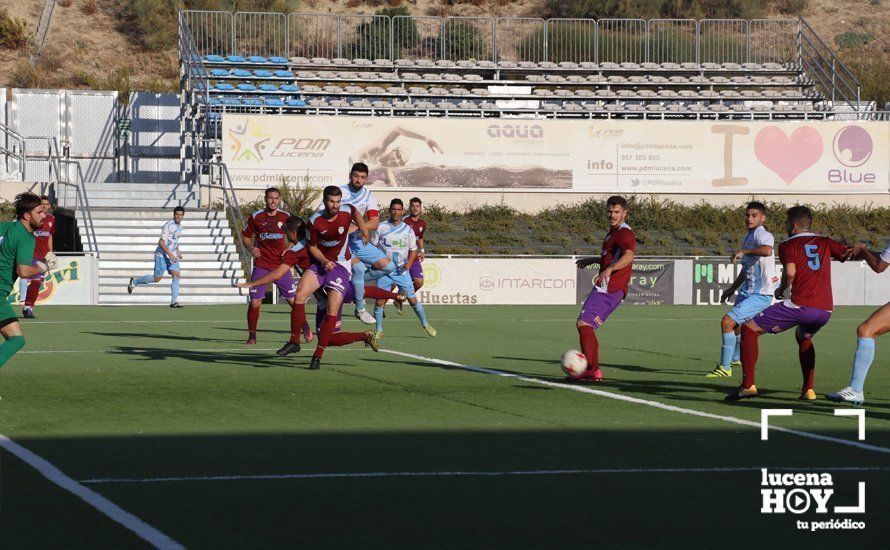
874,326
755,284
396,240
167,256
368,262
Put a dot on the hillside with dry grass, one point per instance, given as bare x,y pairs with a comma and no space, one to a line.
131,44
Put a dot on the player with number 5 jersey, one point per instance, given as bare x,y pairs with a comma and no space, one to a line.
806,260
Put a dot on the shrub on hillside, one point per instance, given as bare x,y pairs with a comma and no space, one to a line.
13,31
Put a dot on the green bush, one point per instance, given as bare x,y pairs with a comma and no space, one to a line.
13,31
465,41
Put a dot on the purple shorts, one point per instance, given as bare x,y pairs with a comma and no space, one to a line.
337,279
287,288
780,317
416,270
598,306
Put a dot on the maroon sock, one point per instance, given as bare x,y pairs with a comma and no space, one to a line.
749,356
297,320
807,354
33,291
377,293
345,338
590,346
324,335
253,317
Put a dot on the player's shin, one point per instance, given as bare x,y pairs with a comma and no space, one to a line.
378,316
372,291
727,349
346,338
807,355
749,355
144,280
358,285
865,354
421,314
297,320
174,290
375,273
324,335
590,347
253,318
10,347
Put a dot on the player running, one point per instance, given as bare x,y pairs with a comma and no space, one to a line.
756,283
17,260
610,285
368,262
415,208
396,239
30,287
329,256
806,259
265,241
167,256
877,324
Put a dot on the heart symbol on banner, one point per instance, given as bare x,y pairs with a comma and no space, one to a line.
787,156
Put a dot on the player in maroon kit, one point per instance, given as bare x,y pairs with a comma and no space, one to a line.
806,259
329,269
415,207
265,240
610,285
43,245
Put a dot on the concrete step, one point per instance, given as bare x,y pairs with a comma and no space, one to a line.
190,280
192,241
143,266
186,249
164,300
163,288
130,257
156,187
142,203
141,234
142,224
164,214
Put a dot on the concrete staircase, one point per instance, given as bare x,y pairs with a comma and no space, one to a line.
127,224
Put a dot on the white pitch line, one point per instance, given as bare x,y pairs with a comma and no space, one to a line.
97,501
638,401
174,351
505,473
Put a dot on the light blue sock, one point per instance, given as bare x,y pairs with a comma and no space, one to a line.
23,289
144,280
174,290
421,314
737,351
726,350
358,285
374,274
865,354
378,314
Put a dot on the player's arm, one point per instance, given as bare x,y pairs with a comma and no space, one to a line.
26,271
626,258
421,252
372,223
764,250
873,259
24,257
740,278
412,251
584,262
271,277
359,222
247,238
789,270
163,244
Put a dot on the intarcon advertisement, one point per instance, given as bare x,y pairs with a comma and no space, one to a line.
70,283
651,283
606,156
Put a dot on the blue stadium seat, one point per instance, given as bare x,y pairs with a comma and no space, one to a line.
292,88
219,72
257,59
224,87
215,101
295,103
278,60
230,101
246,87
235,59
268,88
214,58
262,73
284,74
241,73
253,102
274,102
214,116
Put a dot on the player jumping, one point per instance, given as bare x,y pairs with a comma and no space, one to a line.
30,287
756,283
265,240
396,239
806,259
877,324
610,285
329,256
167,256
415,208
16,260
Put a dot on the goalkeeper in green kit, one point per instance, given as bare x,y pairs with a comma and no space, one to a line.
16,254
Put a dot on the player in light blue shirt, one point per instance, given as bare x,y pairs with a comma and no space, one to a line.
755,284
396,240
167,256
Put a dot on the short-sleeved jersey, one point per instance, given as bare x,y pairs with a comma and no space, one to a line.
42,235
16,248
760,271
618,241
297,257
170,234
418,225
270,236
396,241
330,235
885,255
811,255
363,201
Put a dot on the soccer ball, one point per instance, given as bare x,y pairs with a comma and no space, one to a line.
573,362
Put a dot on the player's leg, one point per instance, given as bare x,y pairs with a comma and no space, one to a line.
727,347
378,317
11,330
376,265
877,324
174,287
750,333
806,353
33,291
406,287
359,271
256,294
416,273
161,264
379,290
596,309
337,292
310,282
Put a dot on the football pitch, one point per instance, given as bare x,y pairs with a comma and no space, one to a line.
160,427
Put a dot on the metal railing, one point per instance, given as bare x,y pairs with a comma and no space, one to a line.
832,78
219,178
13,149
